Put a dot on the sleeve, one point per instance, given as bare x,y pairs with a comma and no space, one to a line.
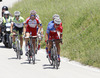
48,30
22,19
37,21
26,22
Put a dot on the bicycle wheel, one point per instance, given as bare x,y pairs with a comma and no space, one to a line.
18,50
33,54
29,57
56,64
10,42
51,60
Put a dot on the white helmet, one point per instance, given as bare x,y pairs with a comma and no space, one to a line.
6,12
17,13
33,12
55,16
57,20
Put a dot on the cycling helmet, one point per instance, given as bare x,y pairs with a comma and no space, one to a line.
55,16
57,20
33,12
6,13
4,8
17,13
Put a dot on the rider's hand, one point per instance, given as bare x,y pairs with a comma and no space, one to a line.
61,41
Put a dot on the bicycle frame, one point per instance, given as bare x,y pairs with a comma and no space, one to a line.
54,55
31,52
17,44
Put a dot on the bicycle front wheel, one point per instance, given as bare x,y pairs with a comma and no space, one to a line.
33,54
18,50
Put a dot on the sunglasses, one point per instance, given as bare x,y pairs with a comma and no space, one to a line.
16,16
32,15
57,24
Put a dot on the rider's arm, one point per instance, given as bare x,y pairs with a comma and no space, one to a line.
47,33
42,30
11,27
61,35
39,28
46,37
24,28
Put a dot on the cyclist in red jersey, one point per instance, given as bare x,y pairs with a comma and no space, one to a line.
31,27
54,31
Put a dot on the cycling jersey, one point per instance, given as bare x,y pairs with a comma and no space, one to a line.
19,23
54,33
37,19
32,26
50,22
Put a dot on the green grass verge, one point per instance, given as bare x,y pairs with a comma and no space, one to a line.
81,23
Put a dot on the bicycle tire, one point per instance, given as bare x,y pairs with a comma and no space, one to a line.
51,60
29,58
18,50
33,54
55,58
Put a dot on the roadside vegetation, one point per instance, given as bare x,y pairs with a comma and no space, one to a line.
81,26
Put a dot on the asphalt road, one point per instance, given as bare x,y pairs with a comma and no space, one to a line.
10,67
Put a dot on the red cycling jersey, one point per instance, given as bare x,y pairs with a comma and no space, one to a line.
32,26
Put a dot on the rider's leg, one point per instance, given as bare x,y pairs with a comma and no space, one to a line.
21,36
21,41
39,44
13,39
21,44
46,47
58,49
34,45
49,48
26,41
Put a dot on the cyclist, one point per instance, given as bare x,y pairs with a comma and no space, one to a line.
18,25
53,17
54,31
31,27
6,18
41,31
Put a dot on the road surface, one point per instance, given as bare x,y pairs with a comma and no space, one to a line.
10,67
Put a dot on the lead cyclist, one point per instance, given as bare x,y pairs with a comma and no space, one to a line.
54,31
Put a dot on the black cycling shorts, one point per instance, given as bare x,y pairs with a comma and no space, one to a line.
20,30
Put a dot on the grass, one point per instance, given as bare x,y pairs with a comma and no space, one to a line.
81,25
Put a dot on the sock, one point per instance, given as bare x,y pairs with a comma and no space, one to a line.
49,52
47,49
58,56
